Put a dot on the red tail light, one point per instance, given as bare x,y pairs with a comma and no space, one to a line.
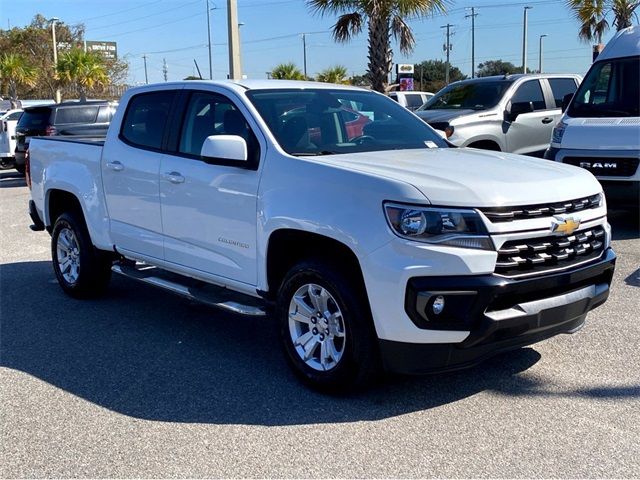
50,130
27,168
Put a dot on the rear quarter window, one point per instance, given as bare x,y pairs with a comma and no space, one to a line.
76,115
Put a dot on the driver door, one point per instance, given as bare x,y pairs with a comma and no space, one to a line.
209,209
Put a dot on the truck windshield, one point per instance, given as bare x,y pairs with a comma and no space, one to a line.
479,95
610,89
324,121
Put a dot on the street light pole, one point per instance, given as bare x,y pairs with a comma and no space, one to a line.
524,40
209,38
540,55
53,21
304,50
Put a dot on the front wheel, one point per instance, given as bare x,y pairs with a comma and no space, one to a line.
326,328
21,169
82,270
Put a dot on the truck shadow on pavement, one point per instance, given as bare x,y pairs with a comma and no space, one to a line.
11,178
625,224
143,353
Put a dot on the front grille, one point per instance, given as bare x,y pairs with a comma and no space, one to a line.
538,255
606,167
508,214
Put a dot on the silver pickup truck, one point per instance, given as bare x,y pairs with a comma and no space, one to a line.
511,113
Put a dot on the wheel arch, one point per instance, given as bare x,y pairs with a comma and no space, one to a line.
288,246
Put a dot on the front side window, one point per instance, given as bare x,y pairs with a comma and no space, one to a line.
560,88
328,121
210,114
146,117
610,89
414,100
13,116
530,92
479,95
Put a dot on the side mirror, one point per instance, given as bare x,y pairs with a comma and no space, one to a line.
566,100
516,109
224,147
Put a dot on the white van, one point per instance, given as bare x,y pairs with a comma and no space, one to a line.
600,129
8,122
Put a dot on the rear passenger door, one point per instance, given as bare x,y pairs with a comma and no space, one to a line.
530,133
556,91
130,175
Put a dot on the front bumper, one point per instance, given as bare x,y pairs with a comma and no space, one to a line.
500,314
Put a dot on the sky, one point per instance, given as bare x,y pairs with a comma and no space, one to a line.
176,31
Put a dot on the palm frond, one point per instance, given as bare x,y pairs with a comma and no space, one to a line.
419,8
403,34
334,7
348,26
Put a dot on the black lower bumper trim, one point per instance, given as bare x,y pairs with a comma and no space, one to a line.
505,314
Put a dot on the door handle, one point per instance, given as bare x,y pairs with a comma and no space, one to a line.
115,166
174,177
546,120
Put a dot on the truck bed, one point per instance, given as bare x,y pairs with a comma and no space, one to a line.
88,140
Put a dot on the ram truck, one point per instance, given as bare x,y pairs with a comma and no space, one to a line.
376,248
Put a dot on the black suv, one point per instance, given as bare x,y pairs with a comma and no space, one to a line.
89,118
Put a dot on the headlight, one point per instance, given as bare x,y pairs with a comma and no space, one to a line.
558,132
442,226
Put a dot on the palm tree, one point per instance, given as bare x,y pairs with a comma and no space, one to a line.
337,74
287,71
15,71
84,70
592,15
383,18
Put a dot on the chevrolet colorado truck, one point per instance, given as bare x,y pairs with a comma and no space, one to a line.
379,247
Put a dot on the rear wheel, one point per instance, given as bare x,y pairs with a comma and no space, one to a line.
326,328
82,270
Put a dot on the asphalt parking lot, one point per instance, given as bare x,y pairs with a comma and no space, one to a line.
142,384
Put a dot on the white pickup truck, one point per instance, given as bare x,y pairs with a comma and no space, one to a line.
378,245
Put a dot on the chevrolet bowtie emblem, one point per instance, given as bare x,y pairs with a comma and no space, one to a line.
564,226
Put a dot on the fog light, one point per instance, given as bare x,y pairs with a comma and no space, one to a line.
438,305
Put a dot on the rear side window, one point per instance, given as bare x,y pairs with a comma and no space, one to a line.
68,115
146,118
530,92
561,87
35,118
13,116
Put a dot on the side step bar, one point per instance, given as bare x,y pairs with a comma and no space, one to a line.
192,289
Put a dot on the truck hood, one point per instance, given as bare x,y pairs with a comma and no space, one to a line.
464,177
444,115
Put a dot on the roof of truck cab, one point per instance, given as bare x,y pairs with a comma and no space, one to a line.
625,43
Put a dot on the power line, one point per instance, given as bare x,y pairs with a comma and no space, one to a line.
146,16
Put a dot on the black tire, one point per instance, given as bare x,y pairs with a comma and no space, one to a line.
359,364
21,169
94,271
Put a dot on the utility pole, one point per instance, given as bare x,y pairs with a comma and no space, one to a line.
447,48
524,40
304,49
53,21
146,77
540,56
165,69
473,16
235,63
209,38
